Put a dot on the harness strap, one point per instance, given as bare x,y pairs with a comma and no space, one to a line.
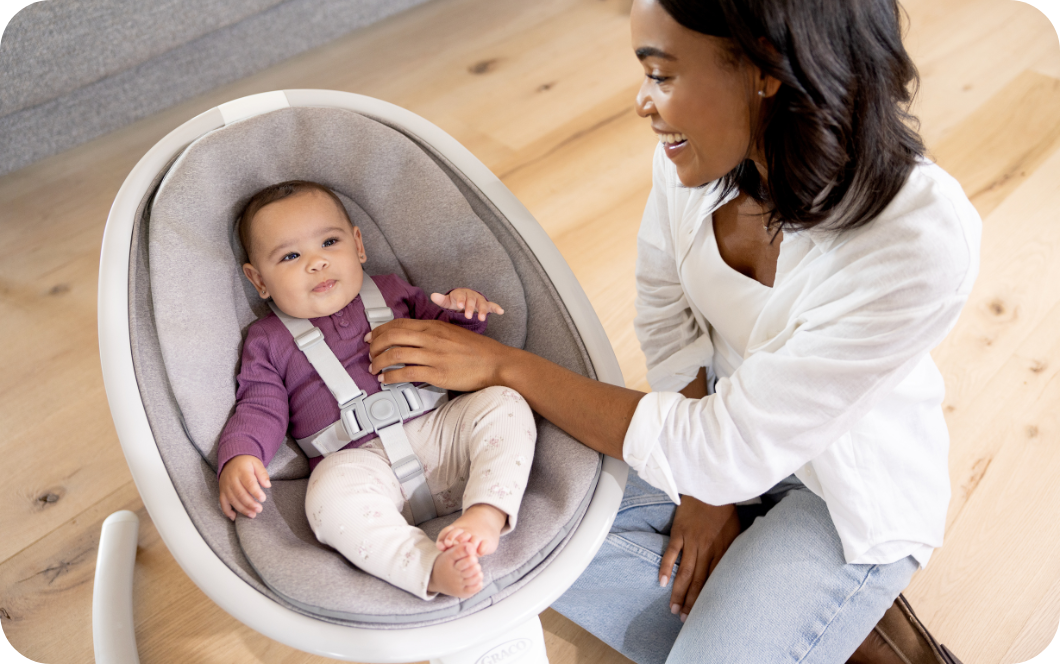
383,412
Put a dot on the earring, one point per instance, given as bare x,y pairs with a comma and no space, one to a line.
761,93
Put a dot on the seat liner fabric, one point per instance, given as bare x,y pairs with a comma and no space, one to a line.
422,220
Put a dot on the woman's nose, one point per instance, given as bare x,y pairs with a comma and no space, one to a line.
644,106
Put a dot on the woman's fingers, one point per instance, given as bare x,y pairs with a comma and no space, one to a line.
683,579
669,559
435,352
698,577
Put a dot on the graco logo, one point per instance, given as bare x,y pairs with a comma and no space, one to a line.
506,652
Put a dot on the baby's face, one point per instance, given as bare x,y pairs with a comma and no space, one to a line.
305,255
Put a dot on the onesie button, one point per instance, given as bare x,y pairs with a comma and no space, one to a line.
344,323
339,313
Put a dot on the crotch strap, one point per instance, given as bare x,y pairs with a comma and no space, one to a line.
383,413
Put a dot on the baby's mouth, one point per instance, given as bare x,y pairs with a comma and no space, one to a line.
324,286
670,140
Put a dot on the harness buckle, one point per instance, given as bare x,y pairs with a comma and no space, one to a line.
354,418
365,414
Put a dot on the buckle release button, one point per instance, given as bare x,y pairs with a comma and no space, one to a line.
383,409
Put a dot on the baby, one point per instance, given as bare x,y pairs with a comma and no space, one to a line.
306,255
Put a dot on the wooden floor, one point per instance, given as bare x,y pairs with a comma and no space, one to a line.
542,92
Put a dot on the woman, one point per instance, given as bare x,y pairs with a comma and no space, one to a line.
797,261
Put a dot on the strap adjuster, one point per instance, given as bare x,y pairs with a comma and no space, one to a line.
309,338
406,468
378,315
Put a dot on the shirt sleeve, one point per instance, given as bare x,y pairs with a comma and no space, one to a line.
858,334
258,425
674,344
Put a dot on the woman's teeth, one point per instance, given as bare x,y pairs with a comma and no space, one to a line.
670,139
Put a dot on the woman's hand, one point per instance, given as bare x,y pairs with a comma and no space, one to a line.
468,301
595,413
701,533
436,352
240,483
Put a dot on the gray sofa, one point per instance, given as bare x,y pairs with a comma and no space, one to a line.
73,70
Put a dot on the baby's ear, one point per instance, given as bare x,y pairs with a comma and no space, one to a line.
254,277
359,242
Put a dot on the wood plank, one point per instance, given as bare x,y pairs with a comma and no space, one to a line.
1018,289
48,591
1005,140
955,45
1040,629
1010,522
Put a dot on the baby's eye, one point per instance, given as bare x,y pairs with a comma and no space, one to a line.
289,257
330,241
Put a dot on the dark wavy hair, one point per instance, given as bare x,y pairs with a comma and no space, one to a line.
276,192
838,138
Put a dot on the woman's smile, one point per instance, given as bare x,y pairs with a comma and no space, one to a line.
673,143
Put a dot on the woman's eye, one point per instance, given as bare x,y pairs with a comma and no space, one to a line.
657,78
289,257
330,241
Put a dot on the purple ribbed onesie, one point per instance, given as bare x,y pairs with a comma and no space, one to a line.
278,387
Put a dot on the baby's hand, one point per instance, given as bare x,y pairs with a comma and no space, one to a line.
241,482
468,301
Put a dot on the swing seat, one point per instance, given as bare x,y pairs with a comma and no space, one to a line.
174,308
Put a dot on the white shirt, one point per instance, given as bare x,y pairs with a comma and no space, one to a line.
834,382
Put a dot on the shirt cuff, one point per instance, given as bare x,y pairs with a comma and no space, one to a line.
678,370
233,448
641,449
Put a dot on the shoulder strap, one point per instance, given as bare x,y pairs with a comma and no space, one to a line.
375,307
310,340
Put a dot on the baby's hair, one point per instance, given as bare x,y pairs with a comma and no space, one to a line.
276,192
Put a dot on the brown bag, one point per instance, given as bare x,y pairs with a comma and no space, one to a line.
910,640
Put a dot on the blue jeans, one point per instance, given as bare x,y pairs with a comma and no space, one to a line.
781,593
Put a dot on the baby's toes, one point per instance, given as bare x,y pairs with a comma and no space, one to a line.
465,557
448,537
443,539
472,575
473,586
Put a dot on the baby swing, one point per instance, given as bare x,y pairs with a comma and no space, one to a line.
173,307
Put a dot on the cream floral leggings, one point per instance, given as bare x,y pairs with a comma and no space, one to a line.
476,448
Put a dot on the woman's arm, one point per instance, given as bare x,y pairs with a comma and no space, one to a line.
595,413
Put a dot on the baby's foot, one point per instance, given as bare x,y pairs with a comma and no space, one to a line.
456,572
480,526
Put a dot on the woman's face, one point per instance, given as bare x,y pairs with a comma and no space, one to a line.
699,100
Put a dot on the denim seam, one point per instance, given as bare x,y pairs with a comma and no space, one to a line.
839,610
637,550
641,501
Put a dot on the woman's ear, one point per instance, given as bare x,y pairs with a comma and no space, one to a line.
254,277
768,85
765,85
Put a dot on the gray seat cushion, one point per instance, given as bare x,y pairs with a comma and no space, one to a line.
421,220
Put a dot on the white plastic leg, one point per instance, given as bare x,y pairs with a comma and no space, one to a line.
523,645
113,634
